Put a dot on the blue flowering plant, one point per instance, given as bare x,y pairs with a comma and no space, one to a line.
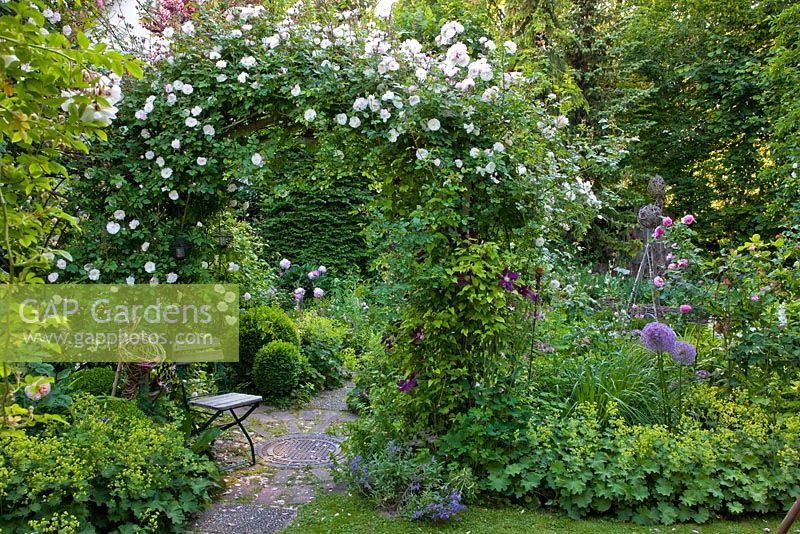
407,480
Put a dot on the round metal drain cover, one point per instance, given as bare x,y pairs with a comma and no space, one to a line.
299,450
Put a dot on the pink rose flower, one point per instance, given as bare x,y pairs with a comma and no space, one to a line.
658,233
666,221
683,263
754,297
687,219
658,281
669,256
671,266
685,308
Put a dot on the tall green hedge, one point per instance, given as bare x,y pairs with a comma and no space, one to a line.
318,226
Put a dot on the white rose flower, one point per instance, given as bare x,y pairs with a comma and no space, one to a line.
247,296
187,89
176,144
52,277
248,62
204,264
422,153
393,135
191,122
233,267
149,267
257,160
309,115
522,169
208,130
172,278
173,195
145,246
197,110
458,163
188,27
242,77
130,280
61,264
134,224
414,100
221,77
355,122
510,46
94,275
171,99
149,154
539,242
457,55
498,147
202,161
160,161
474,152
296,90
154,281
112,228
221,64
119,215
341,119
434,125
166,172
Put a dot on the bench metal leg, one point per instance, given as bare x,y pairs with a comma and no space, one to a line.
238,421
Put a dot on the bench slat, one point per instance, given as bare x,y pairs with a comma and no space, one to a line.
225,401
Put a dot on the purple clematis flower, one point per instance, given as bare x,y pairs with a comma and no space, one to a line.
463,279
407,383
417,335
527,293
507,278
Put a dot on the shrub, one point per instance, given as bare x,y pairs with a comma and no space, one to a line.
93,380
112,470
322,341
258,327
649,474
276,370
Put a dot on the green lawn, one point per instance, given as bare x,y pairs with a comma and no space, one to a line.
335,513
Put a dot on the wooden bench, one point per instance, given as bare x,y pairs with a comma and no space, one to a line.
213,406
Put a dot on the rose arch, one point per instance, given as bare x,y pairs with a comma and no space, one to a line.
469,160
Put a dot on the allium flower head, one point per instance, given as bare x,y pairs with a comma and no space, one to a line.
318,293
658,337
683,353
702,374
285,264
299,293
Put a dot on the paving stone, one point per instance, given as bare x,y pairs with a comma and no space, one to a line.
322,474
300,495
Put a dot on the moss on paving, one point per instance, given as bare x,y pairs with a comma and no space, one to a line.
338,512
